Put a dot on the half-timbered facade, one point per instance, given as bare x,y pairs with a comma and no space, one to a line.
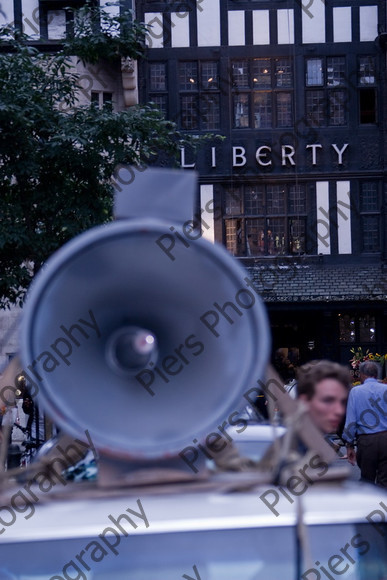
297,189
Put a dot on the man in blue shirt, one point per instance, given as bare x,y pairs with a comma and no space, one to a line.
366,421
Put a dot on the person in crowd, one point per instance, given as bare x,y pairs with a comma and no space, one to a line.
366,425
283,365
323,386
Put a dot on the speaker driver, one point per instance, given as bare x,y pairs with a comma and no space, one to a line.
130,349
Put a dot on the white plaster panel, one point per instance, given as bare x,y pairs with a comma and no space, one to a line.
207,216
236,28
342,24
313,21
179,29
261,27
343,193
6,12
285,23
208,18
154,38
30,18
323,221
368,23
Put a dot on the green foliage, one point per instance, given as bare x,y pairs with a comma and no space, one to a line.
98,35
57,162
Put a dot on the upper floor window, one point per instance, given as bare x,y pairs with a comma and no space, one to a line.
198,83
326,102
366,72
370,216
367,89
262,93
101,99
265,219
158,85
55,17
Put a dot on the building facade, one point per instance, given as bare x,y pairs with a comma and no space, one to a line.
48,22
296,190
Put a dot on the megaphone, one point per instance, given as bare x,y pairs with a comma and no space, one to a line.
145,352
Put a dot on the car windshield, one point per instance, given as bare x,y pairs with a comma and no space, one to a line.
355,552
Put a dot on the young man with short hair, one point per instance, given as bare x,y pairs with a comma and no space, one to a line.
323,386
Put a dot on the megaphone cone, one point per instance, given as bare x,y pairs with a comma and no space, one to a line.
145,352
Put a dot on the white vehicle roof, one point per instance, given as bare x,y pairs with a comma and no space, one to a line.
323,503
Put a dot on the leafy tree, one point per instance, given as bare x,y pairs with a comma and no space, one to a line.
57,162
97,34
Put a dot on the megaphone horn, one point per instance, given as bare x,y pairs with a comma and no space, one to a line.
144,352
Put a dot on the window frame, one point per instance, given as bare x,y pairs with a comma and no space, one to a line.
205,99
326,99
241,216
158,96
102,99
261,100
355,328
367,116
370,214
45,6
